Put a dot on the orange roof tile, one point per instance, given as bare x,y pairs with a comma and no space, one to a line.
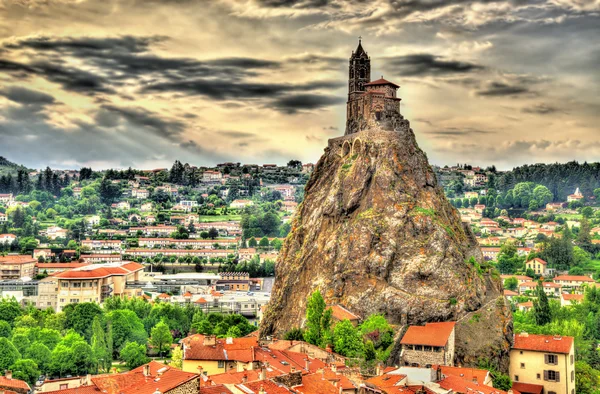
527,388
381,81
315,384
579,278
217,389
386,380
543,343
267,385
463,386
472,374
14,383
573,297
431,334
340,313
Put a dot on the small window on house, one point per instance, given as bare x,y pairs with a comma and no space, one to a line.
378,115
427,349
572,359
64,386
551,392
551,359
538,376
221,364
572,376
516,378
521,352
522,365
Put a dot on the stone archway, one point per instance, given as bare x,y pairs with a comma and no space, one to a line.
357,146
346,149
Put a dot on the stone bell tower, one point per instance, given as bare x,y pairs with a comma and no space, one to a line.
360,72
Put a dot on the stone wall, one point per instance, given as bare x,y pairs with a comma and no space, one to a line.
191,387
422,358
290,380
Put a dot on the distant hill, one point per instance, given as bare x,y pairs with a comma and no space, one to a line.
8,167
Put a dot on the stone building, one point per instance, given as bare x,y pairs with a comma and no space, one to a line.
431,344
369,103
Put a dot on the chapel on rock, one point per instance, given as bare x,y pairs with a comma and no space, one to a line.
370,104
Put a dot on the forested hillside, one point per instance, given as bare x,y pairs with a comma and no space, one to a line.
560,179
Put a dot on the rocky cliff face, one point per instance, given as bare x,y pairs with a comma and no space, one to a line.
376,234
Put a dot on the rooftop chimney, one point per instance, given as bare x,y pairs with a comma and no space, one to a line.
146,369
334,367
379,370
209,340
263,374
262,390
88,379
244,378
307,364
8,374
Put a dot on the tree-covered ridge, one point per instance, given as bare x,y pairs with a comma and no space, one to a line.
7,166
560,178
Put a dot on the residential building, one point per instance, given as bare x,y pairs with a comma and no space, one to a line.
184,243
210,355
233,281
428,345
3,217
571,299
238,204
207,253
550,288
573,281
577,196
16,267
520,278
553,206
101,258
55,232
55,268
538,266
140,194
525,306
211,176
6,198
101,244
95,282
7,238
545,360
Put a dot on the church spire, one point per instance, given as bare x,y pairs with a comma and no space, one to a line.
359,50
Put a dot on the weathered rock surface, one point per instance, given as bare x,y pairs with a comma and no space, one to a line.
376,234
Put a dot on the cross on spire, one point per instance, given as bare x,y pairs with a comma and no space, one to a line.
359,39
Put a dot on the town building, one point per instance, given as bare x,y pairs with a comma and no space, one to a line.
339,313
545,360
431,344
233,281
3,217
573,281
93,283
577,196
539,266
571,299
7,238
9,385
16,267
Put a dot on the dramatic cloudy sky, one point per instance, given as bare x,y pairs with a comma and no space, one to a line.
117,83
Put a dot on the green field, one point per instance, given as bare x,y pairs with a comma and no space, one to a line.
569,216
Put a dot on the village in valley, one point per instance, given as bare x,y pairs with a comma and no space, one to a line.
157,281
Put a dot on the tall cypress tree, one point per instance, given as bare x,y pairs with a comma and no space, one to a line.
541,307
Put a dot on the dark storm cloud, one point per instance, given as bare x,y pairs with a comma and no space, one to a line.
237,134
540,109
458,131
427,64
147,120
302,102
295,3
496,89
234,90
87,45
26,96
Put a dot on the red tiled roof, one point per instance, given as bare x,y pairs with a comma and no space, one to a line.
240,349
267,385
543,343
217,389
527,388
42,266
20,259
579,278
528,304
101,272
87,389
338,312
386,380
472,374
315,384
539,261
381,81
572,297
510,293
463,386
14,383
201,300
238,377
431,334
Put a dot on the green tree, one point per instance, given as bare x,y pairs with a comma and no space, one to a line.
318,320
213,233
264,242
252,243
541,308
25,369
587,379
41,354
100,348
125,326
160,336
82,317
584,236
511,283
176,358
370,353
9,309
294,334
134,355
347,340
5,329
8,354
587,212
